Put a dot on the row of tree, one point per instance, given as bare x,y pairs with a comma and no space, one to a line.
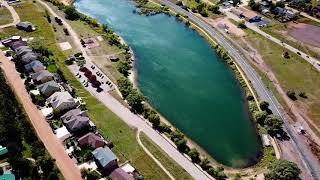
16,133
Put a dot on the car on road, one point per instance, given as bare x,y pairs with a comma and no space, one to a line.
299,53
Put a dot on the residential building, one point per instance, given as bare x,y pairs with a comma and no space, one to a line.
48,88
26,26
17,44
120,174
28,57
105,159
75,120
34,66
62,133
42,76
3,150
22,50
62,101
92,140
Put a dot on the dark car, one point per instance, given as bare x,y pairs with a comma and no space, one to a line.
299,53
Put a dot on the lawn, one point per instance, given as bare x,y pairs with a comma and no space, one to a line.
5,16
293,74
175,169
107,122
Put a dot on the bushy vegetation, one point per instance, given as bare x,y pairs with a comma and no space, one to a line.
283,170
15,132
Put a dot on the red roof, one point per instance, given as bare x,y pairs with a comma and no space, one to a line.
92,140
120,174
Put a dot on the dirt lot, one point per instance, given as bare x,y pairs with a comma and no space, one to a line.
223,23
306,33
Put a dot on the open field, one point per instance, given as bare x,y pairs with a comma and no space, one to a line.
110,125
166,161
293,74
5,16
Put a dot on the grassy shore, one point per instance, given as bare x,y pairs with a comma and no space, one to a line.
166,161
110,125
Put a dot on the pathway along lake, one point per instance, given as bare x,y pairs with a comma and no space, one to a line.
184,79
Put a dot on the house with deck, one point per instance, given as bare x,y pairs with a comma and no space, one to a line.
105,159
75,120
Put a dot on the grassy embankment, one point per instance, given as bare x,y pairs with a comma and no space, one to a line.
293,74
107,122
279,31
5,16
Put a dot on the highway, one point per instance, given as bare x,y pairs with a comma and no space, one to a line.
306,156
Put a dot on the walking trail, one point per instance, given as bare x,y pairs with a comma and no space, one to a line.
44,131
14,14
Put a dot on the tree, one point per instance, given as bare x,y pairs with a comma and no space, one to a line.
292,95
273,124
251,3
134,100
182,145
242,24
283,170
71,13
314,3
154,118
236,2
125,86
237,177
194,155
260,116
264,105
204,164
123,67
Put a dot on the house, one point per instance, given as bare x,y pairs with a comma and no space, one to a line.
75,120
3,150
34,66
265,11
264,3
17,44
22,50
62,101
28,57
279,11
120,174
48,88
42,76
105,159
62,133
26,26
92,140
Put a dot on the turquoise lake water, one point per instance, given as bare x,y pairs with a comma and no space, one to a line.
184,79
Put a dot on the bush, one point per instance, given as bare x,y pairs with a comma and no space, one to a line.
194,155
283,170
292,95
241,24
71,13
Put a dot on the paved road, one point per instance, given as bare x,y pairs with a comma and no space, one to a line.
14,14
126,115
66,166
310,162
314,62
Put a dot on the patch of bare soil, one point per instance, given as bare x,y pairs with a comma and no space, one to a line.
223,23
306,33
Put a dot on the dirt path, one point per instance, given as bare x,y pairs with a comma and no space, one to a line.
44,132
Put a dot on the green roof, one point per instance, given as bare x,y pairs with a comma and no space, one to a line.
3,150
7,177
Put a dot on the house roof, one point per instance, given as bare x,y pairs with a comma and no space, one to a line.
120,174
48,87
7,177
104,156
17,44
34,65
92,140
22,50
62,133
38,76
3,150
59,98
28,57
25,25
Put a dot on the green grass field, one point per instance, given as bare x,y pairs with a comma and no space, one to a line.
107,122
176,170
293,74
5,16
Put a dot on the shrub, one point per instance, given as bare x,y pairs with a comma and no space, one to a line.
292,95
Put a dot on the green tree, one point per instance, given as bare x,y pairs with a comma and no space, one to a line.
123,67
125,86
134,100
273,124
71,13
237,177
283,170
264,105
204,164
260,116
314,3
154,118
194,155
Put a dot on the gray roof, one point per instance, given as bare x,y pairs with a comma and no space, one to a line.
34,65
104,156
25,25
38,76
59,98
48,88
23,50
28,57
120,174
75,120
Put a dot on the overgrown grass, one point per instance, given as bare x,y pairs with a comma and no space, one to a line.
175,169
106,121
5,16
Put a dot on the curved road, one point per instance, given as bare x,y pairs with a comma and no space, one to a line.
308,159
